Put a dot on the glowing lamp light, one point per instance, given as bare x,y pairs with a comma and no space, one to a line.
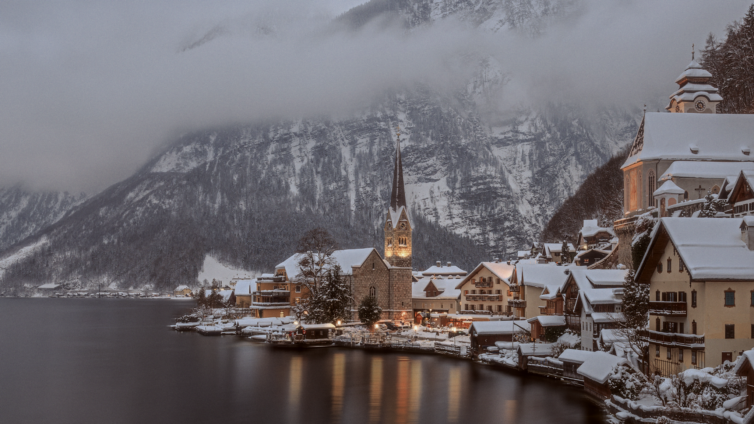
338,322
376,326
416,328
295,322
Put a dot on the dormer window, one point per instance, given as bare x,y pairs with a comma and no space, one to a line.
694,148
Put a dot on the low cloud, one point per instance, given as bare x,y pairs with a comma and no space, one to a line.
90,90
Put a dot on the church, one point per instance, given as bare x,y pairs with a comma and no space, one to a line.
388,279
678,157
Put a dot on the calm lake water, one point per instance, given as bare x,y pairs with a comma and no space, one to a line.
115,361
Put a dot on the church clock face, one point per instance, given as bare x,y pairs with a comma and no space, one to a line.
403,225
700,105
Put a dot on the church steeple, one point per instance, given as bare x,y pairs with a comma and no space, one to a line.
398,195
398,240
695,94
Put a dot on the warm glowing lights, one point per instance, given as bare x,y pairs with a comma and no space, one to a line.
338,322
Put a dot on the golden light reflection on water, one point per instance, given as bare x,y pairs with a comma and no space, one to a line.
510,410
401,394
338,385
294,386
454,394
415,391
375,390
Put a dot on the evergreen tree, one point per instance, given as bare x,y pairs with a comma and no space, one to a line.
330,302
201,298
635,309
565,256
369,311
712,205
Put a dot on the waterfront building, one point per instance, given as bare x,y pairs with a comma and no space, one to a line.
244,290
595,370
434,296
745,368
530,282
484,334
701,277
182,290
487,288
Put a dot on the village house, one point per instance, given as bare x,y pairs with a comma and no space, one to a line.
745,368
435,292
530,282
592,235
540,325
595,370
741,197
693,147
182,291
484,334
487,288
553,252
572,360
701,277
244,290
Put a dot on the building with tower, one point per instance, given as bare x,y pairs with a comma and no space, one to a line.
677,157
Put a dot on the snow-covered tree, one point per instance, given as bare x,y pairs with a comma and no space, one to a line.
635,308
712,205
565,256
316,248
369,311
329,303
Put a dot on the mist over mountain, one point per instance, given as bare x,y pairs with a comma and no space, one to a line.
494,138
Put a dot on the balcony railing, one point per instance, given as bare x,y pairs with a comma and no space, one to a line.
515,288
517,303
272,299
481,284
674,339
484,297
677,309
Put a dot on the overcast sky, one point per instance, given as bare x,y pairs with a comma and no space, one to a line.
89,89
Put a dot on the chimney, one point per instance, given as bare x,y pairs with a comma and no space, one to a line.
448,264
496,260
747,232
439,264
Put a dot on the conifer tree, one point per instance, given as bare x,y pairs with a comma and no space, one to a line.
564,253
635,309
369,311
329,303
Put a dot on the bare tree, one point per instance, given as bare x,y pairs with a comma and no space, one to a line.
315,251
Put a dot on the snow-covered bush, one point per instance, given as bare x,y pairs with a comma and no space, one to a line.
625,382
568,340
706,389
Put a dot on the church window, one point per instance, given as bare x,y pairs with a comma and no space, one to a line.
685,195
715,189
373,292
390,242
651,188
670,265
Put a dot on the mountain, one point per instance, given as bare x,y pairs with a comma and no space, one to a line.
479,184
24,212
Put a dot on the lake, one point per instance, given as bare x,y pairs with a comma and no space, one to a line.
115,361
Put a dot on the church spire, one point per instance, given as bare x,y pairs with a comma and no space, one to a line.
398,195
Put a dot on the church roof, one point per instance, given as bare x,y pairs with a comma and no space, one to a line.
693,70
721,170
669,187
347,259
693,137
398,193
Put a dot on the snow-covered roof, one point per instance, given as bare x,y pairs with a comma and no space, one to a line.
668,187
602,296
575,355
599,366
715,137
611,336
52,286
522,254
541,275
551,248
535,349
446,287
591,228
395,216
317,326
181,288
710,248
606,277
607,317
501,270
549,320
443,270
245,287
748,355
347,259
721,170
499,327
550,292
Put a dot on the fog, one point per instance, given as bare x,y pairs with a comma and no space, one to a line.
90,90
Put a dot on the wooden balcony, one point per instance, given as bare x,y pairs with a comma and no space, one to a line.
674,339
479,284
515,288
517,303
676,309
484,297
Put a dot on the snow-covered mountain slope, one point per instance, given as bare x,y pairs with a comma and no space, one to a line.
24,212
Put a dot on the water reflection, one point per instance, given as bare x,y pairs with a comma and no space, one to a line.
338,385
454,394
375,390
294,387
401,394
415,391
510,410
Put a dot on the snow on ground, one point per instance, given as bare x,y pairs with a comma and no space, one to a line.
213,269
20,254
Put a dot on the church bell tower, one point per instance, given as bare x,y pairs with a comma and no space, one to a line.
398,243
695,94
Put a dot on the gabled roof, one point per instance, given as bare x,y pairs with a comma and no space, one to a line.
551,248
246,287
446,287
501,270
443,270
603,296
575,355
541,275
549,320
347,259
744,178
499,327
711,249
599,366
591,228
715,137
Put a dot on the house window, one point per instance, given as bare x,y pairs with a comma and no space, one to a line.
682,297
693,327
680,355
499,308
373,292
473,292
670,265
466,307
752,331
693,357
657,296
670,353
465,292
730,331
693,298
298,288
499,292
680,265
730,298
659,267
752,298
657,351
481,307
657,324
